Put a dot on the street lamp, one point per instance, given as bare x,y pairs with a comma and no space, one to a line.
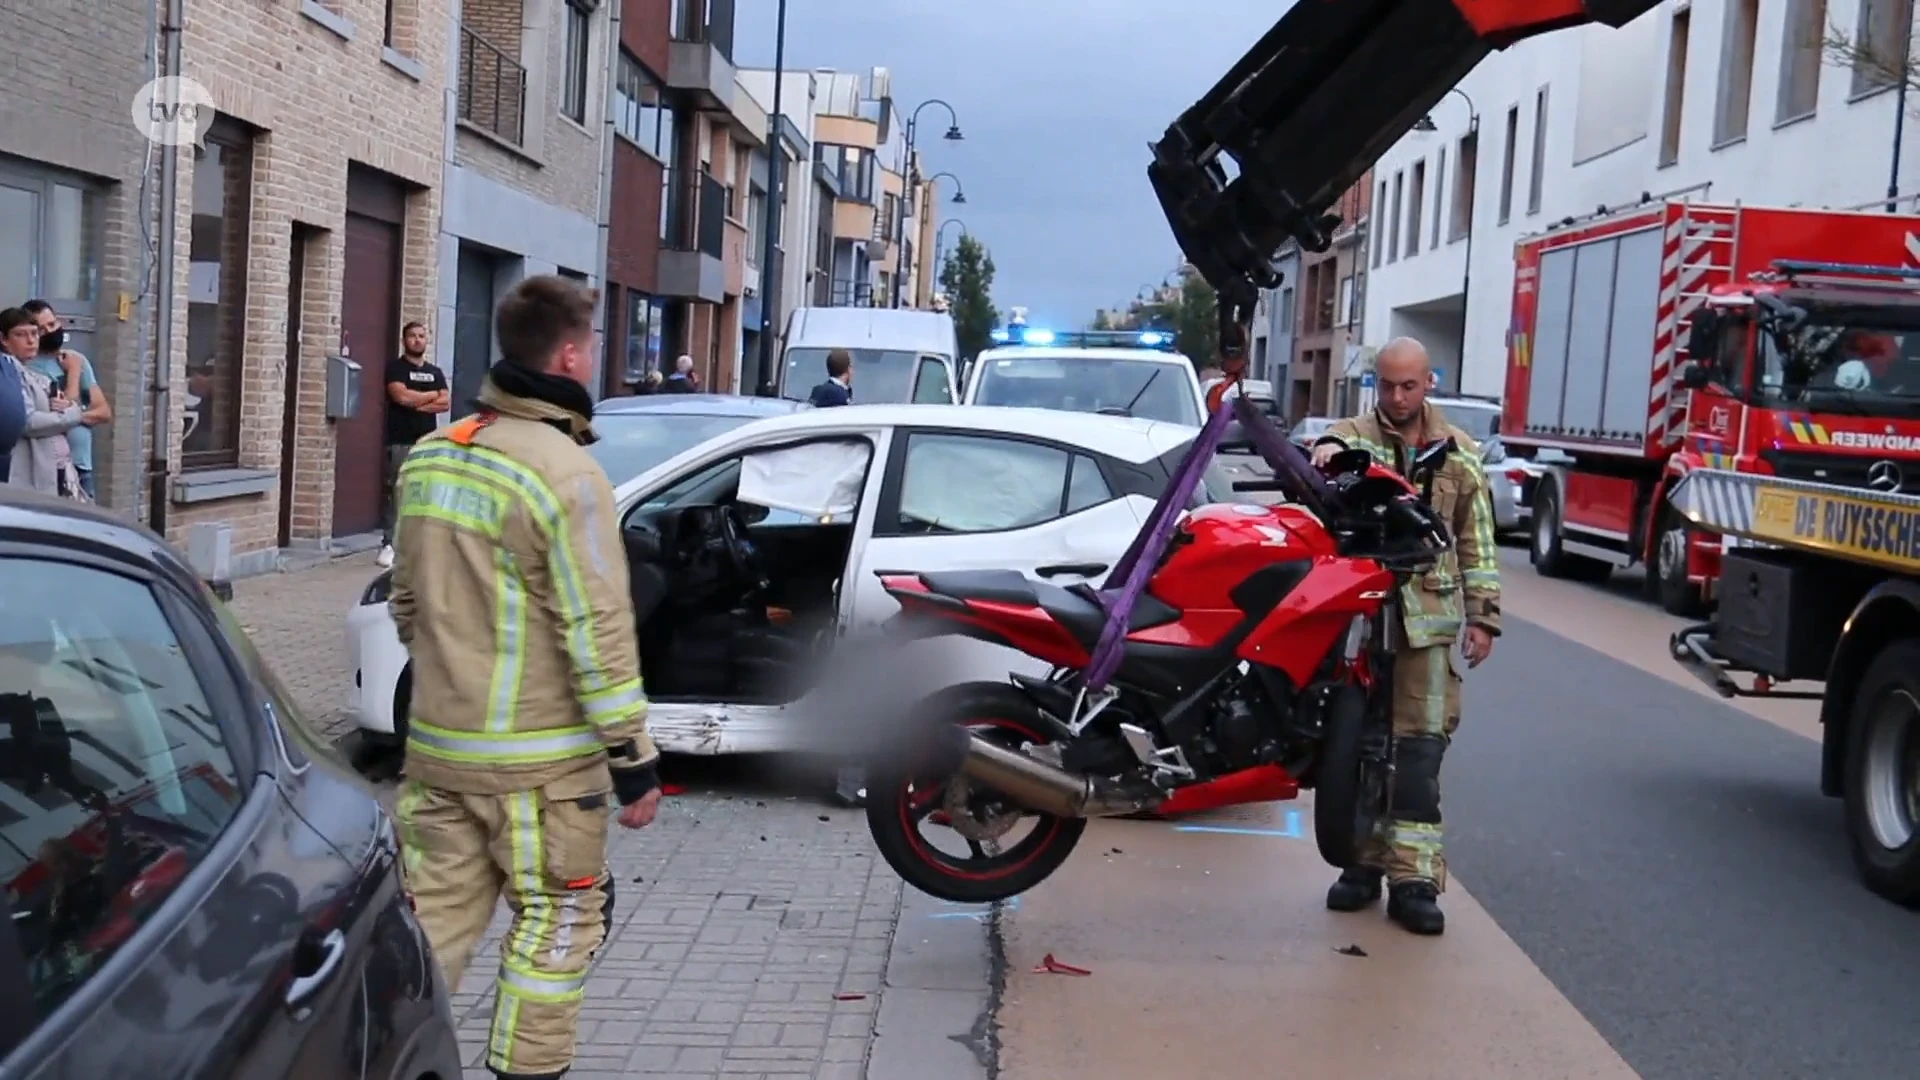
1425,124
952,135
939,236
959,196
776,194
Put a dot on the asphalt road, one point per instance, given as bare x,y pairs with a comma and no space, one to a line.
1669,863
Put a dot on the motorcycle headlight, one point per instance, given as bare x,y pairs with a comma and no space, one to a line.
378,591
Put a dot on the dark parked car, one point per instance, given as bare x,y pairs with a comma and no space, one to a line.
191,894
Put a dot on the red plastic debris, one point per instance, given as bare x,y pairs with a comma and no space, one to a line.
849,997
1049,966
672,789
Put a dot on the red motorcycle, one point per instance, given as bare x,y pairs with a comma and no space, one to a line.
1256,662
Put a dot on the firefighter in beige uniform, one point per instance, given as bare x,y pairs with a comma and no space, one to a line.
1456,604
527,714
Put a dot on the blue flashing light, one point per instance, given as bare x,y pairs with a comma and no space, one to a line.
1153,338
1000,336
1036,336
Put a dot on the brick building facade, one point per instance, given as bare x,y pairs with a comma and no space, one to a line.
306,231
71,170
1328,296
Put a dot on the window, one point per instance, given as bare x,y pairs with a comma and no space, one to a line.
1885,28
1439,193
756,223
217,297
573,91
1415,206
1506,173
636,104
972,484
1286,303
50,224
1800,46
1465,171
123,784
1380,250
1677,37
668,149
931,386
1343,307
1537,175
1736,71
1393,221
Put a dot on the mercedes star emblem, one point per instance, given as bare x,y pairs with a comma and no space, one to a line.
1884,476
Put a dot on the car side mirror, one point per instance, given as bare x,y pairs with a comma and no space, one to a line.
1695,376
1703,334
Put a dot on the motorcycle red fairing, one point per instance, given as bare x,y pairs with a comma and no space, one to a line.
1256,662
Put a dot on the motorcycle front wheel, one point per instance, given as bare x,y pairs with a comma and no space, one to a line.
1350,792
923,817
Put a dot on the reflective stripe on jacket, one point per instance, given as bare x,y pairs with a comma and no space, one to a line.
1464,586
510,591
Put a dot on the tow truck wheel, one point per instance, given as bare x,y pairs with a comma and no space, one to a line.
1883,774
1667,577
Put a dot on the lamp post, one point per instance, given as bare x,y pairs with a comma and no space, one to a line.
939,248
1899,126
953,135
1426,123
764,383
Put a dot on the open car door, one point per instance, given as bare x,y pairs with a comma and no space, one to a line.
1309,109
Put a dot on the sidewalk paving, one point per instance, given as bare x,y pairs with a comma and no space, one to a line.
754,932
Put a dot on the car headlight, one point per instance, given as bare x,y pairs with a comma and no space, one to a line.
379,591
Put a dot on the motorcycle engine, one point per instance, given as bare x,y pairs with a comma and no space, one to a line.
1247,727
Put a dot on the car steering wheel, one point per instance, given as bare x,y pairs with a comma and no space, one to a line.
742,559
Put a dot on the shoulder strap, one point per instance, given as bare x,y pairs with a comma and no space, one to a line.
462,432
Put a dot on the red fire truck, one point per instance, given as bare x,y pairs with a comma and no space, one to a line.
1600,392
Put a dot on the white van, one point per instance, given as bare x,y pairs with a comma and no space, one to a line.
900,356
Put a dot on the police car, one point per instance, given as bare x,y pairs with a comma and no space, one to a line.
1135,373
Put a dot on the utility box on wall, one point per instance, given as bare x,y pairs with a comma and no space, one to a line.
343,388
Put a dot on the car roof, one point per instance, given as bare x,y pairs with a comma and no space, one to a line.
29,516
1126,438
698,405
858,327
1067,352
1464,403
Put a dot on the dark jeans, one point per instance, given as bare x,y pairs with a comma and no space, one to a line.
389,496
86,483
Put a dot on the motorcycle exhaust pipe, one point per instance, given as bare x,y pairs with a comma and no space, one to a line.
1049,789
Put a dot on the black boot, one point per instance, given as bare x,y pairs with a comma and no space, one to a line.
1416,906
1358,886
526,1076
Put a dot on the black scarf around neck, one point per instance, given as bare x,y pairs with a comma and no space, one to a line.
542,386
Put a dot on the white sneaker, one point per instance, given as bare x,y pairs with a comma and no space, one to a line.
385,558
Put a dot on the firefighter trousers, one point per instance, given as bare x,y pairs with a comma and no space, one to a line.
1407,845
545,852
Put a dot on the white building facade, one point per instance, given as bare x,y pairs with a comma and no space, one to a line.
1716,100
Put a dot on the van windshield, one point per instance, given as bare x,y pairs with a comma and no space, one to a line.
880,376
1148,389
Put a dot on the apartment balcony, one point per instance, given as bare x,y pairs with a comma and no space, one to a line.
693,254
700,54
493,88
848,293
853,220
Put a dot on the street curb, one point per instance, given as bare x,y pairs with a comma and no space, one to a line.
936,999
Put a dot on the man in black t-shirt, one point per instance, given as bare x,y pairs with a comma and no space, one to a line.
417,394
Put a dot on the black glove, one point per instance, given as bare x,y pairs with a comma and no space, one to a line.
633,780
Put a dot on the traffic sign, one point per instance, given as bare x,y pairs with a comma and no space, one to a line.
1366,380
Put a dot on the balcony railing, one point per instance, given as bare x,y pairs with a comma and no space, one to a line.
708,22
849,293
493,88
696,212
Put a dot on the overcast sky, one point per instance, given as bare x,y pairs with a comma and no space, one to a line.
1058,102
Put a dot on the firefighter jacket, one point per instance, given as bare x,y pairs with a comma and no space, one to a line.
510,592
1464,585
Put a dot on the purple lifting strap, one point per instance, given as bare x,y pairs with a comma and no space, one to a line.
1292,468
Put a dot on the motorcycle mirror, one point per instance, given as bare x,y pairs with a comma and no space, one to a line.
1349,461
1433,454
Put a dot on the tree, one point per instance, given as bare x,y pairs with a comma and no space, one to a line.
968,279
1192,313
1876,62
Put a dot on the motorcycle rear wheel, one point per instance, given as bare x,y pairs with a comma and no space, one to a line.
903,794
1350,791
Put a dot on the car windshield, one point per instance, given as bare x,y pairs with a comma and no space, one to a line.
1478,421
1312,427
1148,389
880,376
632,443
1845,368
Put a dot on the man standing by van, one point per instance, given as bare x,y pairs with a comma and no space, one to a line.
838,389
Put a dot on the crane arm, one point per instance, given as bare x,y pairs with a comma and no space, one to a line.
1308,110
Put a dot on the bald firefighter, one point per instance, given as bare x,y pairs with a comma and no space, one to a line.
1452,613
527,718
